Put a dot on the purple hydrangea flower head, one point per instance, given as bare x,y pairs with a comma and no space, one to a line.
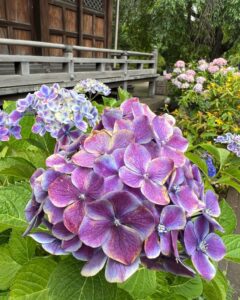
202,244
121,195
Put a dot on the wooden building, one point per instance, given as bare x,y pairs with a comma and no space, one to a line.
74,22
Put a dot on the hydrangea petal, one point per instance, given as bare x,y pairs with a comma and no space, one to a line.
203,265
84,253
98,142
123,244
177,156
162,128
54,214
212,205
100,210
121,139
79,178
173,217
155,193
61,232
177,141
84,159
152,246
190,239
130,178
73,216
54,248
215,247
112,184
188,199
142,130
72,245
166,243
95,264
93,233
62,192
140,219
159,169
48,177
201,228
42,237
105,165
117,272
136,158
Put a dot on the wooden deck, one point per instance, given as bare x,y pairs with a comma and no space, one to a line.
26,73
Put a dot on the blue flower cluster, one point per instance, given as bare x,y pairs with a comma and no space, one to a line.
63,113
92,87
9,125
232,141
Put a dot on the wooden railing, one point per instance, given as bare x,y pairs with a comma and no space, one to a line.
117,68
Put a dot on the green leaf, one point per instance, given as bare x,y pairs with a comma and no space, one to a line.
142,284
8,268
31,282
17,167
229,182
4,236
220,154
4,295
162,286
13,200
228,218
123,94
21,249
67,283
232,243
216,288
122,295
198,161
187,287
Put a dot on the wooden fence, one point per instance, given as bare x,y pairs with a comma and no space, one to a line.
25,73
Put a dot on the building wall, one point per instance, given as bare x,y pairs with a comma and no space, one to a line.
73,22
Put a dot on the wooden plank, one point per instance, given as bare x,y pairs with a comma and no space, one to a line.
30,58
140,61
98,60
142,72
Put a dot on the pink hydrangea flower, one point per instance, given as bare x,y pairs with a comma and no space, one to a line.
198,88
213,69
180,64
200,79
191,72
219,62
168,76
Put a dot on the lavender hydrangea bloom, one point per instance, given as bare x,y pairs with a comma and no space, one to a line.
121,195
201,244
232,141
92,86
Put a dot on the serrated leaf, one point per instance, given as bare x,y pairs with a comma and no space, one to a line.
216,288
162,286
140,285
67,283
21,249
32,279
187,287
228,218
232,243
17,167
8,268
13,200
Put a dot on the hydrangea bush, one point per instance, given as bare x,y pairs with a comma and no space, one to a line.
123,200
126,195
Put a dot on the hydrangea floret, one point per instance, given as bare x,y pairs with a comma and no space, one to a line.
92,87
125,194
232,140
63,113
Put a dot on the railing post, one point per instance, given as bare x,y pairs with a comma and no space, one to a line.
22,68
101,67
124,68
68,67
152,83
